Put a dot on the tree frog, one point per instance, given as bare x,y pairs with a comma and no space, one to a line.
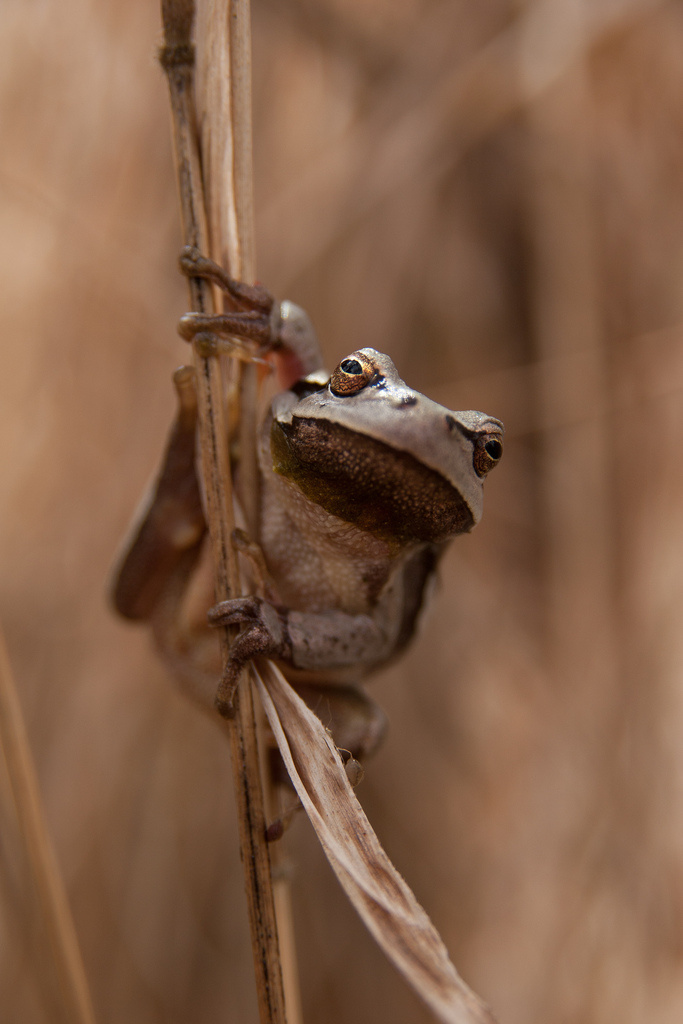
363,482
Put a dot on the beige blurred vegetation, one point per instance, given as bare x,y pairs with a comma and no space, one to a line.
492,192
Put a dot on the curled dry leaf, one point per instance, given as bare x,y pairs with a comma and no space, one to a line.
380,895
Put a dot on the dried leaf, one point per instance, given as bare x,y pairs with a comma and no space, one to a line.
382,898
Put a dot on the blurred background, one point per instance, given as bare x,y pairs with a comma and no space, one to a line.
493,194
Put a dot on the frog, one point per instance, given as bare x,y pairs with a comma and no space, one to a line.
364,482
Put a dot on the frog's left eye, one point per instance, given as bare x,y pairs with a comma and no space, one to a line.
488,451
352,375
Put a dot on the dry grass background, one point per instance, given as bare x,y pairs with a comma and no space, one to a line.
493,193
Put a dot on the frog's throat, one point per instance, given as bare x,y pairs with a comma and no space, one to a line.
377,488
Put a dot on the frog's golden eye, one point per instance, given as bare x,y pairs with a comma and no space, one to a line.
352,375
488,451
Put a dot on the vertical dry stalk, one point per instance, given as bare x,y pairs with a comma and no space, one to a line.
40,856
178,60
223,104
222,87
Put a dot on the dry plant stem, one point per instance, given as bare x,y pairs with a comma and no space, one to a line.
223,100
40,855
223,103
178,61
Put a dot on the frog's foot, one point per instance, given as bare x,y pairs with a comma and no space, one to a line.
255,327
264,634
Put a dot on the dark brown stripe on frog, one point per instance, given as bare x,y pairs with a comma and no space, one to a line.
363,481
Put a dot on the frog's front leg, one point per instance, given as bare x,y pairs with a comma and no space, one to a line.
326,642
283,328
308,642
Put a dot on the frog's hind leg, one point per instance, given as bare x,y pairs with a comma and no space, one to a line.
358,726
357,723
167,536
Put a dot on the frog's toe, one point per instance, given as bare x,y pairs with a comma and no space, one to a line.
234,612
259,639
256,641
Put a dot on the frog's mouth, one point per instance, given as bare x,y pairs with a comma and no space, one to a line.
368,483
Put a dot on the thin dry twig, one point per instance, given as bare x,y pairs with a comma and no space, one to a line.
177,58
40,856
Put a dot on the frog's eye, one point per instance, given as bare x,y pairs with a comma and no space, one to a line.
488,451
352,374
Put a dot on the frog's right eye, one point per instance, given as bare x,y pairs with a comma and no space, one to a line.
488,450
352,375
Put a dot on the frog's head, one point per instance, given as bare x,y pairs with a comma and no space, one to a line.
378,454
